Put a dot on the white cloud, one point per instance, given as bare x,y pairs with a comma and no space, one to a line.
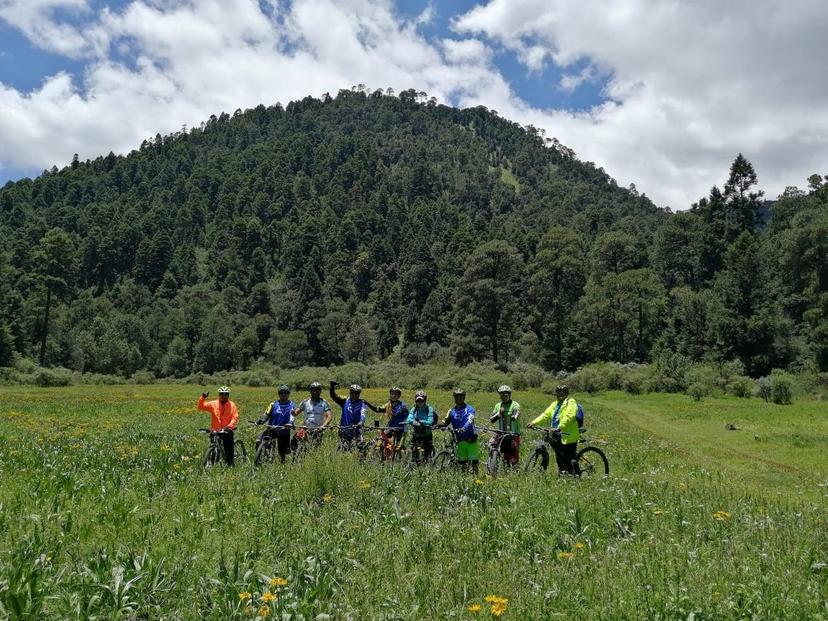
690,84
36,20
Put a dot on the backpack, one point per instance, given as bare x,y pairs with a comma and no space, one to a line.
580,416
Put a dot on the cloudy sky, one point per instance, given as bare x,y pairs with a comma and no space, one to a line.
662,93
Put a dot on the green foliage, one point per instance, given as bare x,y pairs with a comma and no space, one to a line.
782,387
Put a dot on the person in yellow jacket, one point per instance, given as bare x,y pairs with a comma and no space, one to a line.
562,417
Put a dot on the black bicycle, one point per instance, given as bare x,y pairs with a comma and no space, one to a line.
591,460
495,457
267,450
215,452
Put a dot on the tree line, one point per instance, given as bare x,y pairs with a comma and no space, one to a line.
369,226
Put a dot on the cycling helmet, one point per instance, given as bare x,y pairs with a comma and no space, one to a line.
315,386
355,388
457,392
284,388
505,388
395,390
562,389
224,390
420,394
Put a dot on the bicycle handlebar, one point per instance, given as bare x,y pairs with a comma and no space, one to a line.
499,431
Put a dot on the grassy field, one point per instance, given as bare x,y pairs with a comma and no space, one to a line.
105,513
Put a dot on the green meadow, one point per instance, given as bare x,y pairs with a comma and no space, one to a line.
106,513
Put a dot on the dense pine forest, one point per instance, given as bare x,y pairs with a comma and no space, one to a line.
369,226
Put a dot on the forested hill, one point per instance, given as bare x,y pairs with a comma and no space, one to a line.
369,225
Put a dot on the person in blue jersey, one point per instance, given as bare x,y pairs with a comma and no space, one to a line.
354,410
396,413
461,419
280,412
421,419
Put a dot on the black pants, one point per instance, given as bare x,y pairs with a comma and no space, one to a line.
229,446
425,444
281,436
566,455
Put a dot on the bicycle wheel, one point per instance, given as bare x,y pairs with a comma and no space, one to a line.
493,462
240,452
212,456
264,454
442,461
538,461
593,462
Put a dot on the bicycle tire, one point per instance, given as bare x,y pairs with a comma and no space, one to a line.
538,461
593,462
264,454
300,452
240,451
442,461
212,456
493,462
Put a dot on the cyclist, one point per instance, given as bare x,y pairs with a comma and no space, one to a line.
354,409
507,412
421,419
461,419
280,412
224,415
562,417
396,411
316,413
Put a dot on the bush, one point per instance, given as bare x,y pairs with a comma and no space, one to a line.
698,391
762,388
782,387
702,375
739,386
143,377
51,377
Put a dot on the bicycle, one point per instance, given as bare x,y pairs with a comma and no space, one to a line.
446,458
590,460
384,448
266,450
215,452
496,447
311,437
358,442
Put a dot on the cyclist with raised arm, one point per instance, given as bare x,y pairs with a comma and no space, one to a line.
562,417
354,410
461,419
421,419
316,414
506,414
224,416
279,413
396,413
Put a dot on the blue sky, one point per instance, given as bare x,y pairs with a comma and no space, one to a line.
645,91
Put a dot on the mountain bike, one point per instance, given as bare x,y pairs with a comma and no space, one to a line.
383,448
591,460
267,449
446,457
357,443
496,444
215,452
302,440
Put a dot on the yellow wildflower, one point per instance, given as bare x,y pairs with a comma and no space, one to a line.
721,516
278,582
658,512
498,609
478,482
268,597
364,485
563,555
474,608
263,611
244,595
327,497
579,546
494,599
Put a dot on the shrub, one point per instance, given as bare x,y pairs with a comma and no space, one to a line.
703,375
52,377
143,377
782,387
698,391
739,386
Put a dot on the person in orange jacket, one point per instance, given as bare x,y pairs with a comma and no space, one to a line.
224,415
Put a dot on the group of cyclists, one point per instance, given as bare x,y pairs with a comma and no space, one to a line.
560,420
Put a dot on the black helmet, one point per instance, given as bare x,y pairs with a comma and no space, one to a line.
315,386
284,388
458,392
355,388
395,390
563,389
